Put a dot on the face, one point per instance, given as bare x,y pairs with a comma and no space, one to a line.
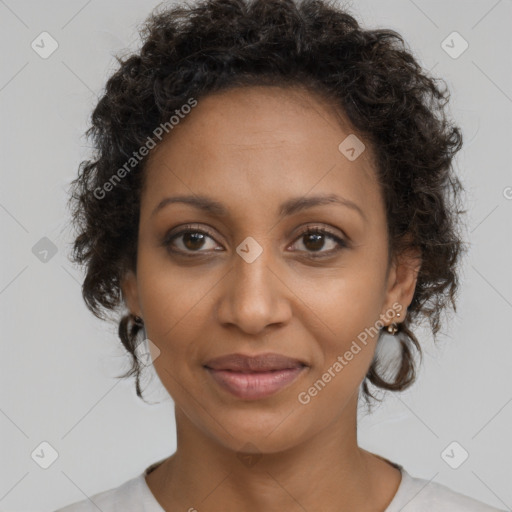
245,278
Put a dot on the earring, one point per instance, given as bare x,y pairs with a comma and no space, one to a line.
393,328
140,322
137,319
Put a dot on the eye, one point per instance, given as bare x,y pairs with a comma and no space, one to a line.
313,239
191,239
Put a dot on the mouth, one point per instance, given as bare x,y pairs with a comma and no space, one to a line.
254,377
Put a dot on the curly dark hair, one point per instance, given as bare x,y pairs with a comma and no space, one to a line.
370,75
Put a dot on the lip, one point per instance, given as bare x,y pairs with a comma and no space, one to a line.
255,385
257,363
254,377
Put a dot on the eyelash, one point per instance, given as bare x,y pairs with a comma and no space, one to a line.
342,244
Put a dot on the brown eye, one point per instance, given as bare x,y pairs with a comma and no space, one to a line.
189,240
315,239
193,240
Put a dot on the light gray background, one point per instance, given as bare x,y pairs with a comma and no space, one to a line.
58,361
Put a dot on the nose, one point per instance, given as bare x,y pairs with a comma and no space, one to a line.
254,296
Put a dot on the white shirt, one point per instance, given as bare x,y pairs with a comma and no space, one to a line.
413,495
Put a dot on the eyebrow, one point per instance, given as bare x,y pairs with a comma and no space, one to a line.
289,207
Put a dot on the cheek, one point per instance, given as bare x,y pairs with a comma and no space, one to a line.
170,294
348,301
346,339
173,303
349,307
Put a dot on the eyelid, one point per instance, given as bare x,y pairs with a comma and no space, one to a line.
314,228
187,228
195,226
341,241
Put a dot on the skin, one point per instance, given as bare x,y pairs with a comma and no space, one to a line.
252,149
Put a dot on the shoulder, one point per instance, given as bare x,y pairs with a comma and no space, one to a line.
125,498
420,495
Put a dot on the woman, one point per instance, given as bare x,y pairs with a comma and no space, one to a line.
273,195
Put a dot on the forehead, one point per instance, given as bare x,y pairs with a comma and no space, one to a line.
260,142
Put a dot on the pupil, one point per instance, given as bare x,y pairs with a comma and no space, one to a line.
193,240
317,241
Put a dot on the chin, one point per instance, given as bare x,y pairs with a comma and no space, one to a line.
260,433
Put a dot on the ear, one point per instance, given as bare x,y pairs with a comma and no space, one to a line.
130,293
402,278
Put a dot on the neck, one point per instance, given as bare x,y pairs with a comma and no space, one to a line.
205,475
